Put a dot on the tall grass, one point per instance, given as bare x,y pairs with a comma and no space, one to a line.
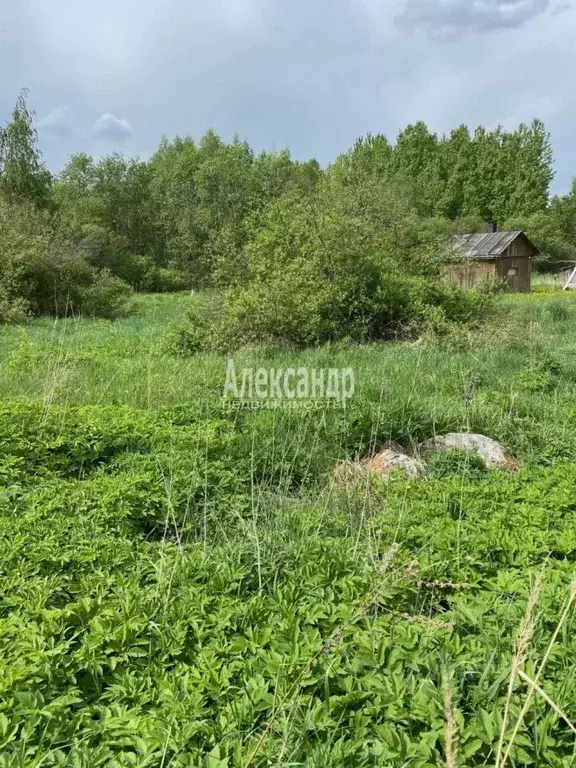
185,587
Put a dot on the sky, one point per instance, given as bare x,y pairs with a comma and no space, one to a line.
310,75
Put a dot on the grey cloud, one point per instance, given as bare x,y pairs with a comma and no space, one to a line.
112,128
561,8
453,18
311,76
58,122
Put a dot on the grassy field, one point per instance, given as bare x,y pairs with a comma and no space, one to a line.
181,585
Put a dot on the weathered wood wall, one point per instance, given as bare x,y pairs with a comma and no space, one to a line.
469,273
518,257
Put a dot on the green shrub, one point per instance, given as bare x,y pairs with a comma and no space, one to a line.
14,310
298,309
189,338
106,296
165,280
202,330
60,278
43,274
330,266
492,284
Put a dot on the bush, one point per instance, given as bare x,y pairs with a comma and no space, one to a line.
43,274
203,329
165,280
336,264
60,277
14,310
106,296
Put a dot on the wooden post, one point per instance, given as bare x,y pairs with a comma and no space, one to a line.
569,281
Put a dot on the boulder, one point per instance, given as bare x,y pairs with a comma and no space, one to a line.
493,454
388,462
391,445
385,464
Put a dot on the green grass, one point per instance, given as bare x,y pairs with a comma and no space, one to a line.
180,584
545,280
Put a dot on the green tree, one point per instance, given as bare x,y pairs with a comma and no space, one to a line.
370,156
107,207
527,154
23,175
43,273
205,194
416,161
457,160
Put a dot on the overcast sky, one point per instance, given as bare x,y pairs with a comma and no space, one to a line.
311,75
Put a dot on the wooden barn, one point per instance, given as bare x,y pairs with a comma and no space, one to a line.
506,255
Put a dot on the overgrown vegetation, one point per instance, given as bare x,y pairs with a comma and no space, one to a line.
43,268
181,584
325,268
211,214
182,581
44,274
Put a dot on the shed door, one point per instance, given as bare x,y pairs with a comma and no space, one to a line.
513,274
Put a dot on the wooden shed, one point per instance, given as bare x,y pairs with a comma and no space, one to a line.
506,255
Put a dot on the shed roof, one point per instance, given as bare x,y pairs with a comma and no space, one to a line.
487,245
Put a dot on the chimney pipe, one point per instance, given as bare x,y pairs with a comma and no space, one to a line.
492,227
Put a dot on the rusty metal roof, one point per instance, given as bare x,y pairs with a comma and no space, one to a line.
487,245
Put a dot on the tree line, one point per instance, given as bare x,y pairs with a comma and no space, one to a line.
196,212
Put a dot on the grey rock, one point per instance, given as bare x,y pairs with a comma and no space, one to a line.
493,454
388,462
391,445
